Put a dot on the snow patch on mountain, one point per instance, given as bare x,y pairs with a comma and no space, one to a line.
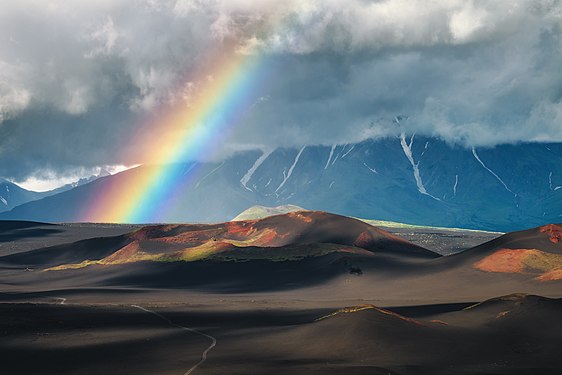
337,156
455,185
286,177
425,148
246,178
407,147
492,172
371,169
188,168
208,174
550,186
330,157
347,152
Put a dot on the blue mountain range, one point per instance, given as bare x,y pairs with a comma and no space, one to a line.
409,178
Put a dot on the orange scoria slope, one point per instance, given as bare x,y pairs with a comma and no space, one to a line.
545,264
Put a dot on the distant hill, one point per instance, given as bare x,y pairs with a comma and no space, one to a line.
290,236
259,212
375,338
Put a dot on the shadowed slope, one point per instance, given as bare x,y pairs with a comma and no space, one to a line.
545,238
532,312
475,340
267,338
95,248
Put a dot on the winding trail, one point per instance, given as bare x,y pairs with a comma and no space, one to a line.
171,323
61,299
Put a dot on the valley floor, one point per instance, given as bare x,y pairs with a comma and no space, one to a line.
119,334
352,324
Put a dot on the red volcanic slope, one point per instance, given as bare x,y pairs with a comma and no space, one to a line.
282,237
295,228
555,274
554,231
505,260
536,252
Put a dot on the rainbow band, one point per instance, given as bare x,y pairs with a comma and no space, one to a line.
143,195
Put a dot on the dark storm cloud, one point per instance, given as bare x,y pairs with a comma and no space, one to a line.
78,78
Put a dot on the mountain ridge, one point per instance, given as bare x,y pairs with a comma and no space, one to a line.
12,195
375,179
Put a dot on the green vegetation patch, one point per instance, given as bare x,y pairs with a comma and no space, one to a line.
543,261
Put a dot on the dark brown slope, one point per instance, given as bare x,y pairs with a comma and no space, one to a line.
365,339
535,253
534,313
547,238
269,338
22,236
74,252
73,339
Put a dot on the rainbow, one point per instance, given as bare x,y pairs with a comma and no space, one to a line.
144,194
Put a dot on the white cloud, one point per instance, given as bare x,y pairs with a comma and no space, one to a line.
466,21
12,100
46,184
13,97
49,180
106,36
468,71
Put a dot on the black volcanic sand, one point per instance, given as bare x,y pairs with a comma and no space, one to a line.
19,236
443,241
517,335
443,316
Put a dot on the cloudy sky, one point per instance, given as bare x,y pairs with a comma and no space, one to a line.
79,78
